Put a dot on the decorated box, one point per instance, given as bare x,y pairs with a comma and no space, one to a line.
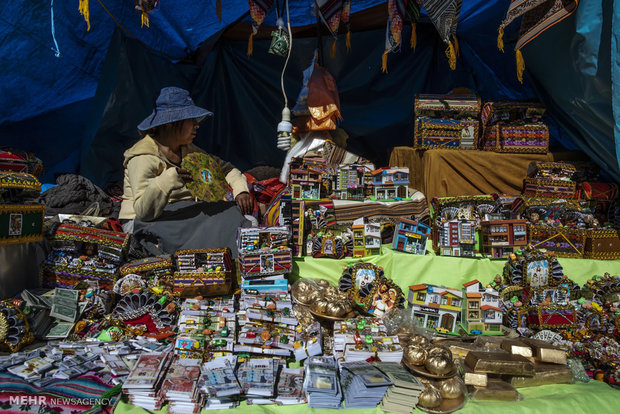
550,180
83,253
203,272
264,251
21,223
514,127
537,210
20,161
602,244
18,187
563,241
447,121
153,270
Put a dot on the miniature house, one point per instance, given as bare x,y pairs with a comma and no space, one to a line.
410,236
390,183
481,311
457,238
366,238
435,307
351,180
308,178
499,238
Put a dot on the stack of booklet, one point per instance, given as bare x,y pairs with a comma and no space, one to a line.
363,385
321,383
180,388
143,385
401,397
289,390
257,379
218,383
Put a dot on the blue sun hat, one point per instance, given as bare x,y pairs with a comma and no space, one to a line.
173,104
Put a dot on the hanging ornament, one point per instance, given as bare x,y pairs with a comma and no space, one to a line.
345,18
396,16
412,15
445,15
145,7
83,7
258,12
538,16
330,12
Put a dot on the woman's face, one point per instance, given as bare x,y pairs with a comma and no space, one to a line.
188,131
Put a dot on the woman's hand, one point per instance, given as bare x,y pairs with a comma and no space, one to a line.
245,202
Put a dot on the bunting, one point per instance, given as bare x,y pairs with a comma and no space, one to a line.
445,15
258,12
396,16
538,16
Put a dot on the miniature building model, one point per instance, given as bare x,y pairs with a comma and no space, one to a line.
366,238
481,312
410,236
390,183
458,238
307,178
435,307
351,180
502,237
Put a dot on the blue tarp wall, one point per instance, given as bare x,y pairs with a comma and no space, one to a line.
74,97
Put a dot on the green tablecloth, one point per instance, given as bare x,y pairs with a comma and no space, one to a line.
406,269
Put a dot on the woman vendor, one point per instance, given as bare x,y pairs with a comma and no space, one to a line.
155,198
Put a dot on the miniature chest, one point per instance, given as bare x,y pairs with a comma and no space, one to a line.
264,251
203,272
514,127
550,180
151,269
447,121
21,219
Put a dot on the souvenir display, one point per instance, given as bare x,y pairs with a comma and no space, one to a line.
309,178
366,238
83,253
390,184
514,127
351,181
21,219
358,280
384,296
264,251
20,161
207,272
329,245
154,270
410,236
208,182
550,180
447,121
435,307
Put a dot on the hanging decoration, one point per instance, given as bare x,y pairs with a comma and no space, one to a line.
445,14
330,12
412,15
538,16
398,12
346,20
83,7
145,7
258,12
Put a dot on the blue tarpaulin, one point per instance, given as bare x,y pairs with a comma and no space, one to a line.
74,96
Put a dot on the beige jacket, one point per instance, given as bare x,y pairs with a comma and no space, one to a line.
151,180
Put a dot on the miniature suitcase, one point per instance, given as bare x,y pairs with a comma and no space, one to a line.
20,161
446,121
264,251
151,269
514,127
21,219
80,252
203,272
563,241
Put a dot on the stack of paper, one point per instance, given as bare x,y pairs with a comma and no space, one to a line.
289,390
363,385
387,349
321,383
218,383
401,397
180,388
257,377
143,385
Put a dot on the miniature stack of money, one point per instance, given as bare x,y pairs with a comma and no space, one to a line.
363,385
321,384
143,385
180,388
358,339
218,383
257,377
289,390
403,395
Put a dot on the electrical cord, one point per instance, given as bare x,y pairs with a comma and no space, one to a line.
290,46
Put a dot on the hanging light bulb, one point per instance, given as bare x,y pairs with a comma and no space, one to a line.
285,128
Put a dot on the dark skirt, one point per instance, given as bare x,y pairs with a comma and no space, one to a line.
192,225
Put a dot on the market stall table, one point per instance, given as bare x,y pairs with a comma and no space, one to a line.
408,269
449,173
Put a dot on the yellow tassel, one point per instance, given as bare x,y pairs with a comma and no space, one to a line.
348,40
250,44
218,9
500,39
451,55
457,48
145,19
414,37
334,47
384,61
520,65
83,7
